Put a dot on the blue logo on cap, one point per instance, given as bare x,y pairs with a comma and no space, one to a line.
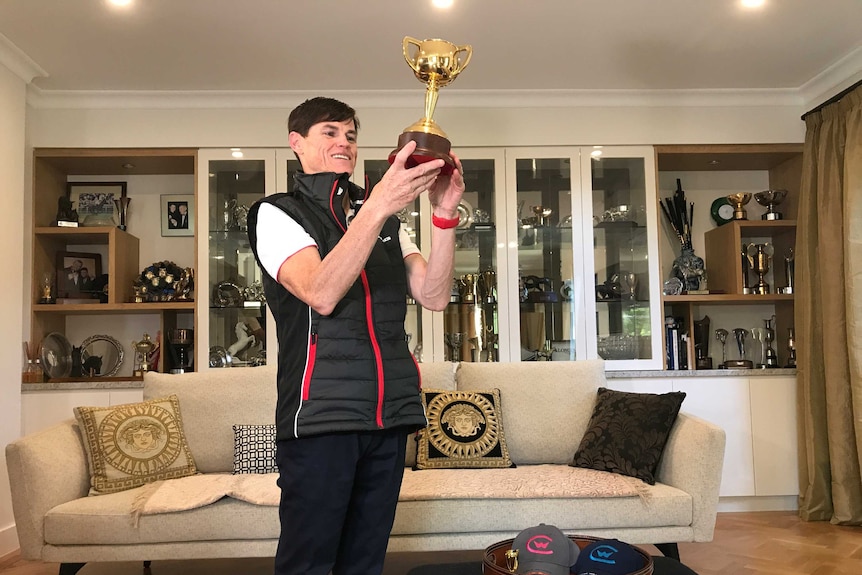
604,554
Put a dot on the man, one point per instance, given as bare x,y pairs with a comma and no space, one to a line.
336,279
183,220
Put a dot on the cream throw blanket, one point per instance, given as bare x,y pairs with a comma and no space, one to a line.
524,482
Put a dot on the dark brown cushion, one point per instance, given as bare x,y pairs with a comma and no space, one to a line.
465,431
627,432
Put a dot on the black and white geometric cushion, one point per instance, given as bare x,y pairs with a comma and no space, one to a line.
254,449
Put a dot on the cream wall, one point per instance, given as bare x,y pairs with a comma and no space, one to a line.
466,126
12,145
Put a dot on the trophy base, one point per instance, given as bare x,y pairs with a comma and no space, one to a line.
739,364
771,216
428,147
703,363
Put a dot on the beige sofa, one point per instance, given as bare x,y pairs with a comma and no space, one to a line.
545,409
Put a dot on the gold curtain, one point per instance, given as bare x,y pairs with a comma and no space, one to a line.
828,314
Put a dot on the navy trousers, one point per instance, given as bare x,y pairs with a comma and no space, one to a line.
338,498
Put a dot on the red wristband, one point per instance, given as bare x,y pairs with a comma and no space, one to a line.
443,223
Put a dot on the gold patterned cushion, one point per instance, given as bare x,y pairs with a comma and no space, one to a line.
465,430
133,444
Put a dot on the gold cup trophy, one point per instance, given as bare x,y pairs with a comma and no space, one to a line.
436,63
739,200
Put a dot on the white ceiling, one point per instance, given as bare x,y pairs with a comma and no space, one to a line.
328,45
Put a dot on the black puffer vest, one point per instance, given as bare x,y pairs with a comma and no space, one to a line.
350,370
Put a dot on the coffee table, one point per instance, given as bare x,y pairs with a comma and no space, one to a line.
661,566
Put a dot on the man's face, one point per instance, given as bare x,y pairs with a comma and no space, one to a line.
329,147
183,209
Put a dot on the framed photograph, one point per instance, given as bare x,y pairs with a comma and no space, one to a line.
94,201
78,275
178,215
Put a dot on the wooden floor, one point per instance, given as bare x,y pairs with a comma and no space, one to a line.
768,543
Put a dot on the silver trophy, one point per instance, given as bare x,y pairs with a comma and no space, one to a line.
740,334
721,335
769,199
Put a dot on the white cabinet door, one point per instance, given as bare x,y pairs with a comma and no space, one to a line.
725,401
773,428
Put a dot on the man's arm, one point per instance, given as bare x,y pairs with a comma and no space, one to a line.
322,283
431,282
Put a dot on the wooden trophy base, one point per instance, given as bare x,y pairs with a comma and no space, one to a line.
428,147
739,364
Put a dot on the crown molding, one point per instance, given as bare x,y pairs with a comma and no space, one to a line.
249,99
840,75
18,62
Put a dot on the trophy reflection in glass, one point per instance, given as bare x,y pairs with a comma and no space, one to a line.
769,199
436,63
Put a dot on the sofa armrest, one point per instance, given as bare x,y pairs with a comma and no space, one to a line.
692,461
46,468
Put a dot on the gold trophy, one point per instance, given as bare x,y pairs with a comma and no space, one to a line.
436,63
758,257
739,200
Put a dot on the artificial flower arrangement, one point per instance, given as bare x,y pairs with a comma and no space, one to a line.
164,281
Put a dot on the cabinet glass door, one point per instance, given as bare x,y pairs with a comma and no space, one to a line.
545,220
236,323
620,202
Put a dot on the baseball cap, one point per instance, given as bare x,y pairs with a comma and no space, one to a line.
608,557
544,549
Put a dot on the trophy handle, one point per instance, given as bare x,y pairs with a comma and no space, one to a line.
465,48
405,46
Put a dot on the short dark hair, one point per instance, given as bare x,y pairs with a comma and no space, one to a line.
319,109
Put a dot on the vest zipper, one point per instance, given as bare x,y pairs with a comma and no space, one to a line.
309,364
375,346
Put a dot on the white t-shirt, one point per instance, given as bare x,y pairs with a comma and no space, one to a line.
279,236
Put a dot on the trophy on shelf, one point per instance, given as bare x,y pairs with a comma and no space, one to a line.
769,199
436,63
122,205
488,286
789,271
701,344
721,335
758,257
770,358
468,288
739,200
746,285
791,347
542,215
740,335
143,351
453,345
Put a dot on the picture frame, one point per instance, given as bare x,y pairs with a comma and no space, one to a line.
79,275
174,221
94,201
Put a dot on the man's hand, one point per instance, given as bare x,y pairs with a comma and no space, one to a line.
446,191
400,185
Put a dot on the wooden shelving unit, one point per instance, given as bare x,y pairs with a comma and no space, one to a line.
52,169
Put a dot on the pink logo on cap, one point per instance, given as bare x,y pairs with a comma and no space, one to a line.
539,544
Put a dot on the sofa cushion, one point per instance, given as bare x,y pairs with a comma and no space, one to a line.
254,449
465,430
628,431
434,375
546,405
133,444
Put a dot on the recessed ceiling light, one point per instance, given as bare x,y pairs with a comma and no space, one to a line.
752,3
442,3
121,3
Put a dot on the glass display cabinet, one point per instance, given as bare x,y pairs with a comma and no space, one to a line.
621,229
549,296
235,322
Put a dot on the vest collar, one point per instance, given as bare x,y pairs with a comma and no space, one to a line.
327,191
